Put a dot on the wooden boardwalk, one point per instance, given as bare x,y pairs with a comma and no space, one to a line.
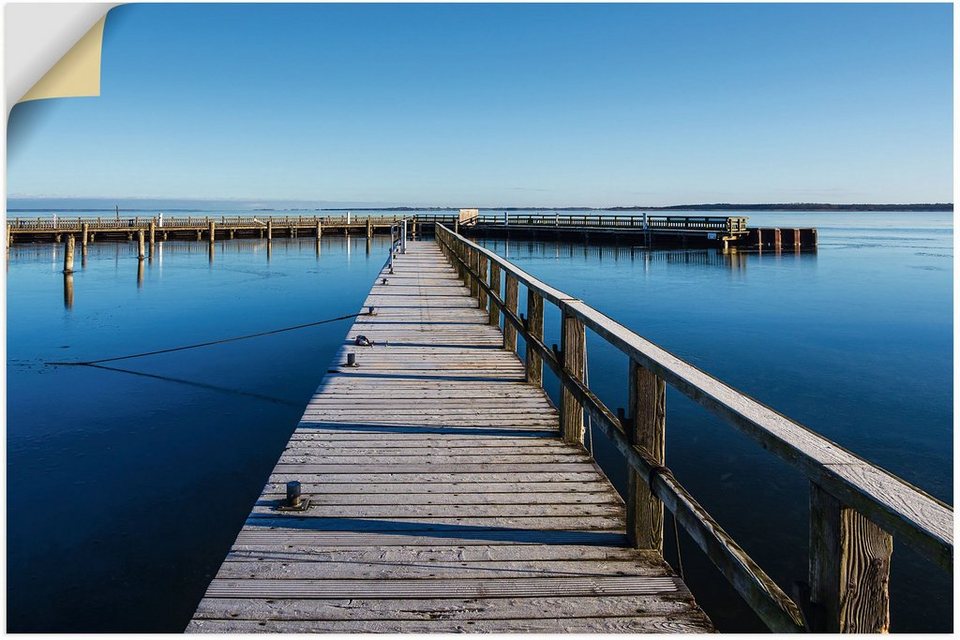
441,495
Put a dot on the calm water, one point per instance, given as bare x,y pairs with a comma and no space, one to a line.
112,474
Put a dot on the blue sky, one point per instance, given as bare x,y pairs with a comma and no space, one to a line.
489,105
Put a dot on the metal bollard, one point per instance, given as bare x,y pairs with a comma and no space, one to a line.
293,493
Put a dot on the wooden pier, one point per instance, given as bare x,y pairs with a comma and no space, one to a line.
722,232
443,491
206,228
441,495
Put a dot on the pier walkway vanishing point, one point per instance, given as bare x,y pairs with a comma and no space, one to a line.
442,491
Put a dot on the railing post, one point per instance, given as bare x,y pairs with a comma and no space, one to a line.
482,270
535,330
646,428
471,268
510,296
849,568
494,311
574,340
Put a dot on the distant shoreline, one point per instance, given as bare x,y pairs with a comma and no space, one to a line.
800,207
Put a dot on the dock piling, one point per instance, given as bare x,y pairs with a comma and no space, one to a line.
141,254
68,255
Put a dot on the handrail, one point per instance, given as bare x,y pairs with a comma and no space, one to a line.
726,224
852,482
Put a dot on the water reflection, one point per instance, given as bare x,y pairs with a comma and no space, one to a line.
68,291
733,259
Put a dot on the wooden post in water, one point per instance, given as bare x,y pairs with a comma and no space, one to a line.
574,344
535,329
849,568
68,255
482,270
510,295
319,230
84,231
211,231
494,311
369,227
140,252
269,230
153,234
646,427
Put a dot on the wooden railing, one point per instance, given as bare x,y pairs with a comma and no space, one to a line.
856,507
731,225
100,223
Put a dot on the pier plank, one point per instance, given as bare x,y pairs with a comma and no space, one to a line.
442,497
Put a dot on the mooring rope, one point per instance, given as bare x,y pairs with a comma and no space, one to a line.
88,363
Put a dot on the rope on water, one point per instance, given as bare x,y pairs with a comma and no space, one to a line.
89,363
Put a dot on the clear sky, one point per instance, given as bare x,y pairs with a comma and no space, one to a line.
491,105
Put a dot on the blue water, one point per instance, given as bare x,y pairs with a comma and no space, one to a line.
125,490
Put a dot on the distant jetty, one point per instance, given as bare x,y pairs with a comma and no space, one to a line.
717,206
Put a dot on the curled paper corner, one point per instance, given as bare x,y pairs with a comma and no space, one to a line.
77,73
52,47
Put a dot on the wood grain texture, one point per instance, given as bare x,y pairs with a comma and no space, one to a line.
574,344
849,568
647,429
442,496
495,284
534,362
510,300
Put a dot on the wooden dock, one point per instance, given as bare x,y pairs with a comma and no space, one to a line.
646,231
444,492
441,495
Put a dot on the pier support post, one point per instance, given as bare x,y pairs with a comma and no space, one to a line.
141,254
510,296
495,283
84,231
68,255
270,229
319,230
212,231
573,338
535,329
777,240
153,233
369,227
9,236
849,568
646,428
